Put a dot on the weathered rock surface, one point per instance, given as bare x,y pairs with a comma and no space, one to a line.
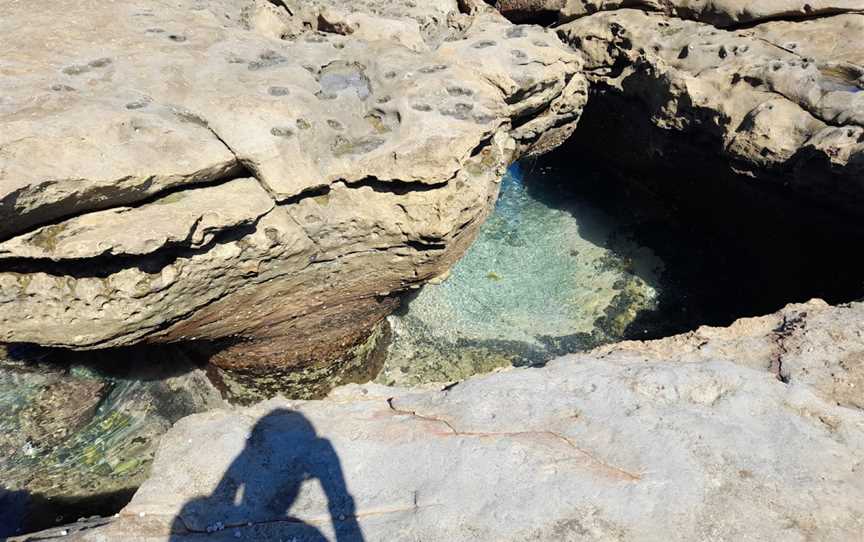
78,439
724,90
781,103
716,12
267,172
689,438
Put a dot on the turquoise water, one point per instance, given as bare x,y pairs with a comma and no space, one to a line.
541,280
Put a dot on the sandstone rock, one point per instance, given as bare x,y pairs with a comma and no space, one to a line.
191,218
811,344
133,174
690,438
716,12
780,103
75,441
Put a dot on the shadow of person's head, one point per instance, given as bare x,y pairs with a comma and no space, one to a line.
262,484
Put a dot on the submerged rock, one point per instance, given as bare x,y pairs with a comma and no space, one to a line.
694,437
262,176
78,440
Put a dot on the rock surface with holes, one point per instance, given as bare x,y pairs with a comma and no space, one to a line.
268,172
781,102
769,94
689,438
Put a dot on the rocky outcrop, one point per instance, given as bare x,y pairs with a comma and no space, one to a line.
754,431
778,105
265,174
758,95
77,439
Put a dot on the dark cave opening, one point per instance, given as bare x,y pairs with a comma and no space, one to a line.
734,246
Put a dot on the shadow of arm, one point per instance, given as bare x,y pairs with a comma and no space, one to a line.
340,503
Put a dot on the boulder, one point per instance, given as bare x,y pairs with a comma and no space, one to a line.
753,432
265,175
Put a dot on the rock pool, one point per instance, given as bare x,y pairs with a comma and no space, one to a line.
541,280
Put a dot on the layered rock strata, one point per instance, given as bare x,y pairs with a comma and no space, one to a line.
751,432
268,175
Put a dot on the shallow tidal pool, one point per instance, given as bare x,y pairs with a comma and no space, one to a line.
548,274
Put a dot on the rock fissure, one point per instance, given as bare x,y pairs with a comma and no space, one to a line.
790,325
102,267
609,469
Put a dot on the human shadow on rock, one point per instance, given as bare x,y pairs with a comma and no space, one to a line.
259,488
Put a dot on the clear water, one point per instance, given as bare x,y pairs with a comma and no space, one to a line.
77,440
541,280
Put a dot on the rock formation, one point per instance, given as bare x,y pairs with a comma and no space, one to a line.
755,431
262,180
268,175
770,94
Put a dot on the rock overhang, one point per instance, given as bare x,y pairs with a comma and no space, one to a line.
326,133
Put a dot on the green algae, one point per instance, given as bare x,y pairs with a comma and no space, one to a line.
47,237
77,440
360,364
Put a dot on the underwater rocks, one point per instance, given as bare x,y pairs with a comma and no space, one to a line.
753,431
78,439
549,274
263,176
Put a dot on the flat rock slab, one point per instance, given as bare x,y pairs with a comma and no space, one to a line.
646,441
190,218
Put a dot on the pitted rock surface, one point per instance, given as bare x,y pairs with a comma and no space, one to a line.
781,102
201,170
723,13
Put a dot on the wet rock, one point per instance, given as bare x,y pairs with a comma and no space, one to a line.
193,189
696,434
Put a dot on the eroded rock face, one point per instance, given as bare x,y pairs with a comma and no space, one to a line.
716,12
260,171
724,91
781,103
689,438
